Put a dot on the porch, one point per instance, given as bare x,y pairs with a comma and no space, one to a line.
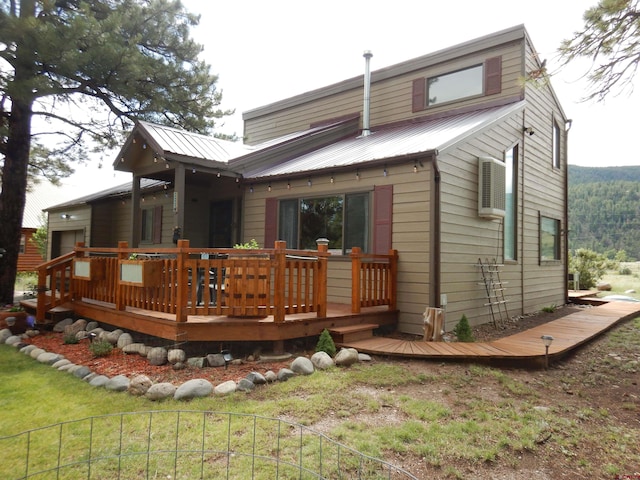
193,294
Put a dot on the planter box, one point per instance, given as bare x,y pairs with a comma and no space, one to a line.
89,268
140,273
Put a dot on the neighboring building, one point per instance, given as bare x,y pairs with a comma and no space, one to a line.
452,158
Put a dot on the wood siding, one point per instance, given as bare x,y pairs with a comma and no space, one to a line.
391,98
30,258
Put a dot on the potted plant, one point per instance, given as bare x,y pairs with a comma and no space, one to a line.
13,317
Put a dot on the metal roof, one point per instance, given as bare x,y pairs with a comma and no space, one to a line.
435,135
179,142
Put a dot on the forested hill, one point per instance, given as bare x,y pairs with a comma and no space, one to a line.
604,209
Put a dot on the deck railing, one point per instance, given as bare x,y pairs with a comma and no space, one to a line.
185,281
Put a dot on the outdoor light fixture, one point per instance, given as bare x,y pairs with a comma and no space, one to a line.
226,355
357,174
251,189
92,337
333,180
309,183
65,216
269,187
288,185
384,172
415,167
528,130
546,341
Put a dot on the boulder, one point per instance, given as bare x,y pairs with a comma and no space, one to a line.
99,381
91,326
225,388
160,391
73,329
4,334
285,374
198,387
124,340
157,356
176,355
256,378
60,326
302,366
216,360
270,376
322,360
119,383
197,362
81,372
139,385
346,357
245,385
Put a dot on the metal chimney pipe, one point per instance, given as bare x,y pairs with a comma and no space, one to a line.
367,94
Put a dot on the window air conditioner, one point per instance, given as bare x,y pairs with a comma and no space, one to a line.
491,188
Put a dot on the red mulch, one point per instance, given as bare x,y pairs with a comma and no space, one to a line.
119,363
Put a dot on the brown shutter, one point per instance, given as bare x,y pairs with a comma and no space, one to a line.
382,218
418,95
157,224
493,75
270,222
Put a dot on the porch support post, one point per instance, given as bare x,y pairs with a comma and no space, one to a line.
123,254
183,280
279,278
134,239
78,255
179,197
321,281
356,264
393,279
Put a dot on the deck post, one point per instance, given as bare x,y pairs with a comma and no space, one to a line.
182,293
279,278
393,279
77,255
356,265
321,281
122,255
41,288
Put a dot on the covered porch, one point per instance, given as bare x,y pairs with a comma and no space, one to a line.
194,294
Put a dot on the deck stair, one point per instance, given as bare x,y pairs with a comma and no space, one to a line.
352,333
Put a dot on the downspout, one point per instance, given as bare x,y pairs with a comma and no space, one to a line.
436,261
568,124
367,94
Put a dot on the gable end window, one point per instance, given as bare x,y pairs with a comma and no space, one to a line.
477,80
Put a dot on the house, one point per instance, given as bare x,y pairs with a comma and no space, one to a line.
456,160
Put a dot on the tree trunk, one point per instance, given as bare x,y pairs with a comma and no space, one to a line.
13,195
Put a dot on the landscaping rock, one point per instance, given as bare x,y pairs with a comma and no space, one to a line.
61,362
195,388
4,334
176,355
225,388
302,366
285,374
256,378
270,376
133,348
245,385
139,385
161,391
112,337
82,334
197,362
60,326
74,328
99,381
36,352
48,357
346,357
124,340
216,360
157,356
363,357
322,360
81,372
91,326
119,383
27,350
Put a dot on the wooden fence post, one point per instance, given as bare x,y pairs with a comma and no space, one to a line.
393,280
321,281
122,255
279,279
356,264
183,280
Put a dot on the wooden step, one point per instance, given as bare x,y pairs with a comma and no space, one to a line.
59,313
352,333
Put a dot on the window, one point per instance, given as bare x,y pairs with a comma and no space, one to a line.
511,203
342,219
549,239
151,225
473,81
556,144
454,86
23,243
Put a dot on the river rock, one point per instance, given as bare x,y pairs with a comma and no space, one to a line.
139,385
225,388
198,387
302,366
119,383
160,391
322,360
346,357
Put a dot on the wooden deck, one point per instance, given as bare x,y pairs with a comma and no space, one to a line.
525,347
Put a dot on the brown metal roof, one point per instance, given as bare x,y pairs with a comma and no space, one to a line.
434,135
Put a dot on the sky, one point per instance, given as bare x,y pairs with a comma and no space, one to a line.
265,51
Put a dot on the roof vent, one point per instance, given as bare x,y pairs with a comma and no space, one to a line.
367,94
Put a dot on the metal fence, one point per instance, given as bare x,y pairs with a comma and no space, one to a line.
184,445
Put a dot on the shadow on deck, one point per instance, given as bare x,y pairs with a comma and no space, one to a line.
523,348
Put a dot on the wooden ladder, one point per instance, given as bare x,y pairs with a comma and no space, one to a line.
494,288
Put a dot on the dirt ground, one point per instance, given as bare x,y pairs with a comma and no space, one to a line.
595,390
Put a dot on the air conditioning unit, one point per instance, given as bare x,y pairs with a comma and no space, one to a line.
491,188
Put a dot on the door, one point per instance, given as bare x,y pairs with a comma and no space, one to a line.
64,241
221,224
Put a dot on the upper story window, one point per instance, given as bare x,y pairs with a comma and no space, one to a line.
23,243
476,80
549,239
455,86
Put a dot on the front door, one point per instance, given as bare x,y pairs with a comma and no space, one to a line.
221,224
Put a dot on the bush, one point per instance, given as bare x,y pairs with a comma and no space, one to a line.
100,348
591,266
463,330
70,339
325,343
625,271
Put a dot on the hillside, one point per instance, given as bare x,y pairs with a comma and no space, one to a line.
604,209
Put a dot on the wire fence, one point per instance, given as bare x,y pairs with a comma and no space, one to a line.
185,445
